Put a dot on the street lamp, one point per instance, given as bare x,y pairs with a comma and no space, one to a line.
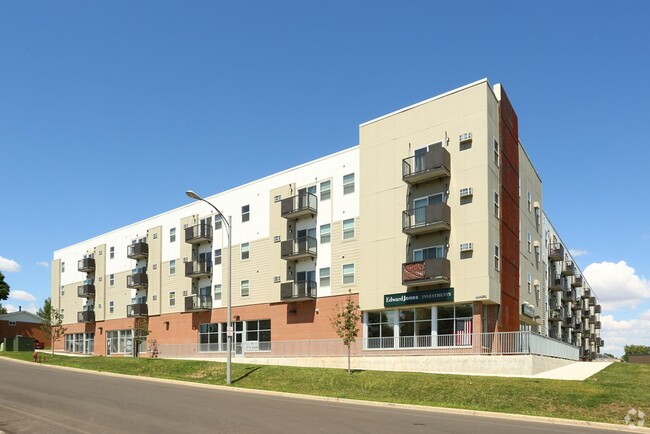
227,223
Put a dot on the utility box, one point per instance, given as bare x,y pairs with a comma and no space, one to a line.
23,344
8,344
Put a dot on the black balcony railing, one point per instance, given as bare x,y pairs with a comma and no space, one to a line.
431,218
297,291
196,269
201,233
198,302
137,280
137,310
303,247
86,316
86,290
303,204
556,252
86,265
427,272
138,250
433,164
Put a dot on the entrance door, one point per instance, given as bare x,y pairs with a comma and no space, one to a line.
238,327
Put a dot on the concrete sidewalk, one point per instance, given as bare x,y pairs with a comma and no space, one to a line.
578,371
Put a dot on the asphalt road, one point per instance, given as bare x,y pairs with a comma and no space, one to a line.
43,399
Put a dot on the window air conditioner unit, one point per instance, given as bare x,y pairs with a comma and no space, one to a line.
468,191
466,247
465,137
276,279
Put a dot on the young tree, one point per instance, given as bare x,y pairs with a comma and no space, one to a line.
4,291
140,333
346,323
52,325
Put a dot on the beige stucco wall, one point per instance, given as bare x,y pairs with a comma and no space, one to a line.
383,194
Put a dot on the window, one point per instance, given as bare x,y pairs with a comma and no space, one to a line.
496,204
209,338
217,257
12,323
172,298
496,257
348,184
529,282
496,153
111,306
530,202
348,229
245,250
172,266
530,243
381,329
244,288
62,291
277,198
217,222
455,325
62,267
325,190
121,342
155,236
112,252
324,275
217,292
62,312
258,335
348,274
155,266
111,279
245,213
325,233
172,235
428,253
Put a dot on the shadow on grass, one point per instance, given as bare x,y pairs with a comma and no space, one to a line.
249,371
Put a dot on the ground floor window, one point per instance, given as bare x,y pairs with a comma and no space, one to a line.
83,343
247,336
121,342
425,327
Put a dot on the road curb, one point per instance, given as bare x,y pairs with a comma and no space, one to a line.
459,411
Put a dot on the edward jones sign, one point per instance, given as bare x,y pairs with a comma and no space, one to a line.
419,297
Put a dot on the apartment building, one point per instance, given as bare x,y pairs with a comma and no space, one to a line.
434,223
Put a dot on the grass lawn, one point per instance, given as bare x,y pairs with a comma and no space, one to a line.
605,397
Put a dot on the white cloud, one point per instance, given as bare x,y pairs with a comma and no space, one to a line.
617,285
43,264
17,294
577,252
617,334
9,265
31,307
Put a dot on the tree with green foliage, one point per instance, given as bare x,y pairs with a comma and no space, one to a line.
4,291
635,350
52,325
346,323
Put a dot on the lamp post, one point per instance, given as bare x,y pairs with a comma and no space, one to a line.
227,223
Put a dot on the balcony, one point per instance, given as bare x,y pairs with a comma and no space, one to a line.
86,316
435,163
137,280
597,324
301,248
567,295
86,265
198,234
428,272
87,290
567,324
597,309
138,310
555,284
301,205
137,251
298,291
592,301
569,268
555,316
575,306
577,282
556,252
196,269
586,294
431,218
195,303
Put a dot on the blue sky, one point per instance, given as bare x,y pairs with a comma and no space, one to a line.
110,111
